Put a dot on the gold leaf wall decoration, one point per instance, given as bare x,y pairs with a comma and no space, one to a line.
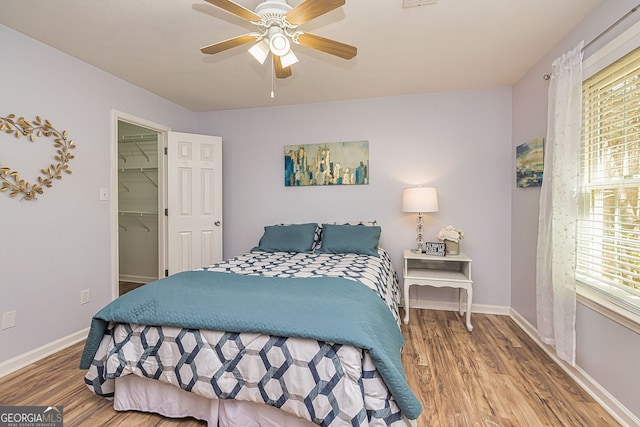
10,180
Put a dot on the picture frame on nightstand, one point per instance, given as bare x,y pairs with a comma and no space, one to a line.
435,249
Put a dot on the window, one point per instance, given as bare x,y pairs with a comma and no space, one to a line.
608,244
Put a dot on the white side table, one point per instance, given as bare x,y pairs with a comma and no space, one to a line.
453,271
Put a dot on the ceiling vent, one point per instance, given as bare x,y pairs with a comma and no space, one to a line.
416,3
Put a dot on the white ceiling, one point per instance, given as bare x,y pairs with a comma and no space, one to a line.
448,46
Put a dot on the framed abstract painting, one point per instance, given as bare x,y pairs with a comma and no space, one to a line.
530,163
332,163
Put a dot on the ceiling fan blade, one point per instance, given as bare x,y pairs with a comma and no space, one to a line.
236,9
228,44
333,47
281,72
310,9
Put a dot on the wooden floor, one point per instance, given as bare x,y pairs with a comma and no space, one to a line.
493,376
125,287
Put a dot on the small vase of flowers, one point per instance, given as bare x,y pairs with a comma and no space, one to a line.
451,237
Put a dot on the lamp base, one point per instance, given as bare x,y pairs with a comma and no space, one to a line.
418,250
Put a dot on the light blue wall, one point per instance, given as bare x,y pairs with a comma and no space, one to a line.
605,349
53,248
458,142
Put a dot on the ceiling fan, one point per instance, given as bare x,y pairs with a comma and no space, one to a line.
277,24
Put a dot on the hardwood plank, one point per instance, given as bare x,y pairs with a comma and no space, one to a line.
56,380
493,376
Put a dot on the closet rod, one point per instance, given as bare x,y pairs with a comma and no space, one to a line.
605,31
137,170
139,138
138,213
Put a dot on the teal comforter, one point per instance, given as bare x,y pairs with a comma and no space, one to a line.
324,309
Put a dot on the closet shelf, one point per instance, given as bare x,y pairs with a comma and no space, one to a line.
143,137
138,213
135,143
143,171
131,170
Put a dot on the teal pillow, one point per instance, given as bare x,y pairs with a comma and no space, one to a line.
287,238
350,239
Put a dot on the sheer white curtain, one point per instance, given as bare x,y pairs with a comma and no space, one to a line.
555,282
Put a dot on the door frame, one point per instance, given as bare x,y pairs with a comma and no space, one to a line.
163,132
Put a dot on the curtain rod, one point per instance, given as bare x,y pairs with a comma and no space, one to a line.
610,27
606,30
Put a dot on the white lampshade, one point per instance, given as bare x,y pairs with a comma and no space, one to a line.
420,199
288,59
260,51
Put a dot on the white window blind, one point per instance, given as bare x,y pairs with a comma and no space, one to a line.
608,244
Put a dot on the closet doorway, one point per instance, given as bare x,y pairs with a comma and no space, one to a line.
140,205
167,201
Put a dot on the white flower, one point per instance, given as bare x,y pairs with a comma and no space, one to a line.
450,233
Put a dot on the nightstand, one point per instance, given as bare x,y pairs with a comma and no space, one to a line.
452,271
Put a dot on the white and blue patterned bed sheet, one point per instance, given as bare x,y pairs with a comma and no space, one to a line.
327,383
375,273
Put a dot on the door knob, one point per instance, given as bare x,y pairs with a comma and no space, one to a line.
217,223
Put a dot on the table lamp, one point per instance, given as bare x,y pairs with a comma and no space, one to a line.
419,199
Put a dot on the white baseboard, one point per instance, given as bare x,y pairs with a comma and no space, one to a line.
34,355
453,306
591,386
136,279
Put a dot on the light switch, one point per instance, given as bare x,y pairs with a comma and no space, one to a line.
104,194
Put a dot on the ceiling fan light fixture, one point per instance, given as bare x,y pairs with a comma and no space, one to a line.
260,51
277,24
279,44
288,59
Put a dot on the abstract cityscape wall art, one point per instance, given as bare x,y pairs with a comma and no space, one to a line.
530,163
332,163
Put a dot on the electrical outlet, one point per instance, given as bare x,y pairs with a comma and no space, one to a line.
84,296
9,319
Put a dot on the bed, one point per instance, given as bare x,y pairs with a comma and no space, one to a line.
301,331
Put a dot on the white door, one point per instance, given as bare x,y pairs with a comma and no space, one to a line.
194,200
